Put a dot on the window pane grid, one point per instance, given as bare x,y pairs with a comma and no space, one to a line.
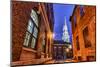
32,30
27,37
35,32
34,17
33,42
30,26
27,41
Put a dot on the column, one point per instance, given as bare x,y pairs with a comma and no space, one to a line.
39,46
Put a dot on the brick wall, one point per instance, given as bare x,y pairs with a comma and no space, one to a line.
20,16
87,20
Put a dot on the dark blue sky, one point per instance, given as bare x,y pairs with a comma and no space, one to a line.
60,12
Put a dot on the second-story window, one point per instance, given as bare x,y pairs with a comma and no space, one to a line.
32,30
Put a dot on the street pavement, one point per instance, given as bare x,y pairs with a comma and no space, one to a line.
59,61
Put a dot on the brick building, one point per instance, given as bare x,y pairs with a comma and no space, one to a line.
83,22
32,28
62,50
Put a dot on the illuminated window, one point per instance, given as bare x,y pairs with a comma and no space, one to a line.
30,26
34,17
32,30
35,32
27,37
33,42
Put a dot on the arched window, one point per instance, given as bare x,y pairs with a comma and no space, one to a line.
32,30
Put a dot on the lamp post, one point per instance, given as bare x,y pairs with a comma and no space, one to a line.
70,46
67,50
53,35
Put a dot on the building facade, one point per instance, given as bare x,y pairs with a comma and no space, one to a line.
83,21
32,28
62,50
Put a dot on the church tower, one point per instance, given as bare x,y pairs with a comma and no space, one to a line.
65,36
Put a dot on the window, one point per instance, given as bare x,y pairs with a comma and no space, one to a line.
34,17
33,42
27,37
30,26
86,39
81,10
32,30
77,43
35,32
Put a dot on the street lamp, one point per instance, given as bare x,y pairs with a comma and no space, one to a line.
70,46
50,35
53,35
67,49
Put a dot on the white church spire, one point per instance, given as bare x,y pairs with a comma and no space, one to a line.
65,36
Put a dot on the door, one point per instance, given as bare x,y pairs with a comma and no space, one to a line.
58,52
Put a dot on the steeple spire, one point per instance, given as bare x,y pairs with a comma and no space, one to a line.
65,25
65,36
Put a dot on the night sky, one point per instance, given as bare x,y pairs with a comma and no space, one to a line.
60,12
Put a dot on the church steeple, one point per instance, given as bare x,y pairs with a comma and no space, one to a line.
65,36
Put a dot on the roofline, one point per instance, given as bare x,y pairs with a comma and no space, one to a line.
73,12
